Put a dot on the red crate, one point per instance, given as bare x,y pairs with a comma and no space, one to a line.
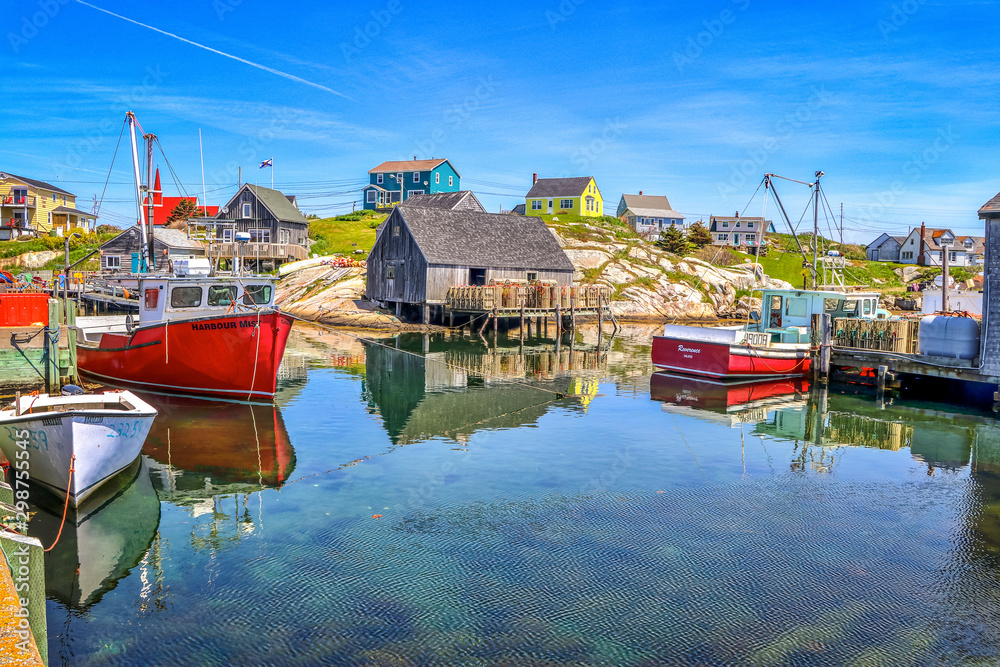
22,310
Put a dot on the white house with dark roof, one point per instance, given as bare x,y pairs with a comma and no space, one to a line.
648,214
923,246
739,231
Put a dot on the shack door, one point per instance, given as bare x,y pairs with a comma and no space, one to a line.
477,276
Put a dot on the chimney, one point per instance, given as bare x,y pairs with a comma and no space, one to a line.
640,193
920,252
534,178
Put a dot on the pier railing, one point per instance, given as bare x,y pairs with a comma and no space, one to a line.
530,296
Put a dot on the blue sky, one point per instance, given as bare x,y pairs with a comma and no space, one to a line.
894,101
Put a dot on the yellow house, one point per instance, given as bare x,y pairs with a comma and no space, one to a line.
579,196
32,207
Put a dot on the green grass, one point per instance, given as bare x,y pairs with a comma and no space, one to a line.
344,234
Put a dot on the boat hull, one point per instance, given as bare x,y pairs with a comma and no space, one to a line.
727,360
235,357
104,443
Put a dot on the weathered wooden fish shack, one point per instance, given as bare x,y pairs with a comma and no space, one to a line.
422,252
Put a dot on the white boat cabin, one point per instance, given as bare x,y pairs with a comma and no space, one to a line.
180,298
787,314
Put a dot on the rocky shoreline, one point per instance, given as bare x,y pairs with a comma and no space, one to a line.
650,285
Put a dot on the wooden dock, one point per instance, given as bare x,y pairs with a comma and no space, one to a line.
530,302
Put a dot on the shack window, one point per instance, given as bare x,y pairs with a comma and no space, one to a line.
152,297
395,230
221,295
112,261
185,297
532,275
390,272
257,294
796,307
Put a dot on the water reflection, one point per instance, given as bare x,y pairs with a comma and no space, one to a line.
200,449
427,386
102,539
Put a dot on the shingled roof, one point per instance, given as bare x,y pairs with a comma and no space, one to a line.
991,209
470,238
658,202
409,165
34,183
278,204
463,200
559,187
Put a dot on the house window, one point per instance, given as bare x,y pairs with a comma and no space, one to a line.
416,177
723,237
185,297
390,272
437,177
737,225
951,256
247,209
53,198
410,193
380,179
112,261
532,275
751,239
907,255
260,235
565,203
451,180
395,230
536,204
227,235
283,236
725,225
371,196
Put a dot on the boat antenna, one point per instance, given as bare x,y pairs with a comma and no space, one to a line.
144,243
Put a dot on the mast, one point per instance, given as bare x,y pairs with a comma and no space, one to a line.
819,175
143,242
150,217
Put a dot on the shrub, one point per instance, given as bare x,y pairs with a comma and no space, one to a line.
718,256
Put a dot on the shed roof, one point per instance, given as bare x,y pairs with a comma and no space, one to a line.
172,238
559,187
654,212
471,238
278,204
454,201
34,183
72,211
991,209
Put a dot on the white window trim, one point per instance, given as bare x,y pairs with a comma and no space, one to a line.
380,178
562,203
247,210
437,177
451,180
261,232
416,177
112,261
537,204
371,197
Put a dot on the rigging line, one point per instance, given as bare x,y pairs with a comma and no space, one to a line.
788,179
173,174
752,198
120,133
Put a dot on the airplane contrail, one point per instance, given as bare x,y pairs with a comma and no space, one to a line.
221,53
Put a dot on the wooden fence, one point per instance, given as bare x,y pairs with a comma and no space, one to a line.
885,335
530,296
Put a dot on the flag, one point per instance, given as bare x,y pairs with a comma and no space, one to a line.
267,163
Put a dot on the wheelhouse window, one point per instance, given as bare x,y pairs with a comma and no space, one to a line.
221,295
152,298
185,297
259,295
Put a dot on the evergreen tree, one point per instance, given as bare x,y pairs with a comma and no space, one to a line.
185,209
699,235
673,241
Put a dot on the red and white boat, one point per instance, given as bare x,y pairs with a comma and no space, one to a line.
774,345
197,333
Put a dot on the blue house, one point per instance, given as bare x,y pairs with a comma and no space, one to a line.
393,182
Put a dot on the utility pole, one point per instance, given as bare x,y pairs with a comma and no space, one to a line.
841,223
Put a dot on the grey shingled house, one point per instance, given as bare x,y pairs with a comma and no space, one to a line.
421,252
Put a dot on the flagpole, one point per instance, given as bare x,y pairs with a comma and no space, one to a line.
272,173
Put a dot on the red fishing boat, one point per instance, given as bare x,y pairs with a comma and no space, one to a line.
197,335
198,332
774,345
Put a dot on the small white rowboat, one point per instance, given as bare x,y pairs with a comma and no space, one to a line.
41,435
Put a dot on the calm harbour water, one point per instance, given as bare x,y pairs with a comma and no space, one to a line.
394,510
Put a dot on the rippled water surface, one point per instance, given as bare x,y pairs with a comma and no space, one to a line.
398,508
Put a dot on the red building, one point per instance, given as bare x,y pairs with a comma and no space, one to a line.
164,206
